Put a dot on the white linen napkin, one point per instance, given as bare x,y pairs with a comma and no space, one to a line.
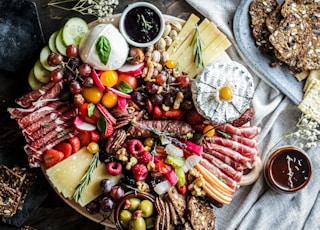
257,206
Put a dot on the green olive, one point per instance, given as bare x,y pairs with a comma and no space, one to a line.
134,204
125,217
150,221
137,224
147,208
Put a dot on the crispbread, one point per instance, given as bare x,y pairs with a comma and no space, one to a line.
10,178
310,104
9,201
174,215
273,19
178,200
313,76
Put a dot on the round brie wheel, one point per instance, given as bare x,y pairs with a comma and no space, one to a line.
215,76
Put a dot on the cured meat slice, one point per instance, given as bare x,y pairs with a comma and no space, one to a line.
218,173
228,152
39,113
252,143
245,131
27,99
51,94
228,160
240,148
227,169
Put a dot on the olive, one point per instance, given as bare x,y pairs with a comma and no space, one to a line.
125,217
134,204
147,208
138,224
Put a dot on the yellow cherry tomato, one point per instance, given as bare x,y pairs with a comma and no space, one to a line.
92,94
209,131
109,78
93,147
171,64
109,100
226,93
149,142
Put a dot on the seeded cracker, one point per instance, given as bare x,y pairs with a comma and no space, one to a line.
9,201
310,103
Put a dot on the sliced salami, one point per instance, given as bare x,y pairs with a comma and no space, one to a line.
245,131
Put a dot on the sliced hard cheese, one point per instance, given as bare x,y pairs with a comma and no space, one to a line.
93,190
310,103
206,89
66,175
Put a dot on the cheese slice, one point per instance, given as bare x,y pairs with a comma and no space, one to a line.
66,175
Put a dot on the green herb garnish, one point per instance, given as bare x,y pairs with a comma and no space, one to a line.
103,49
147,25
91,107
197,48
85,180
124,87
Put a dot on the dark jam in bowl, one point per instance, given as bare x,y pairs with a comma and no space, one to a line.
288,169
142,24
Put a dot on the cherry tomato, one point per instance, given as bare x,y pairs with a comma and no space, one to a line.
209,131
109,100
182,189
83,113
171,64
109,78
92,94
129,79
93,147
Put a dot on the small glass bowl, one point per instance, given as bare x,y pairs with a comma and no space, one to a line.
122,202
288,169
125,32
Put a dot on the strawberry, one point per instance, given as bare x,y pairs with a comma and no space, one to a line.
52,157
157,112
75,143
65,148
84,137
173,113
193,117
182,189
108,132
94,136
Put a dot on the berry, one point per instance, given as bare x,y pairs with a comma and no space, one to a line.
75,143
114,168
84,137
65,148
106,185
93,207
94,136
52,157
143,157
140,172
108,132
106,204
117,192
135,146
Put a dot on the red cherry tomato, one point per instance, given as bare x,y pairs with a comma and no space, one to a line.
83,113
129,79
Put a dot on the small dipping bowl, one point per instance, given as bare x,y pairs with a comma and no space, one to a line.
123,201
288,169
141,24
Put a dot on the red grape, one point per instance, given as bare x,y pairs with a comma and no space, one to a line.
68,76
55,59
84,70
56,75
72,51
183,80
88,82
75,87
161,79
152,87
106,185
117,192
106,204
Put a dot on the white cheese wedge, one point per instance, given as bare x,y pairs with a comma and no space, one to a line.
205,91
118,47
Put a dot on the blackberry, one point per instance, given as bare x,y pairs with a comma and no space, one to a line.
128,179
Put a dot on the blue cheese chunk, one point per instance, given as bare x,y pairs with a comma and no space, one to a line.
208,96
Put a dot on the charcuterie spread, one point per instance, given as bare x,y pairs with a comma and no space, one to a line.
105,118
288,32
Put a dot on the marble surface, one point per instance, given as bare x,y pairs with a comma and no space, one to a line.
53,213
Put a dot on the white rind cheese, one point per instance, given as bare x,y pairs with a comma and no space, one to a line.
119,47
205,91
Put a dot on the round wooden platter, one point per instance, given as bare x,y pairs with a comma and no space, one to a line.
106,218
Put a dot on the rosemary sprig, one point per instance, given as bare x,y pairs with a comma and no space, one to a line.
85,180
147,25
197,48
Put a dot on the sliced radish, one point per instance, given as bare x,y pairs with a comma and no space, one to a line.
197,149
119,93
191,162
172,177
122,103
134,70
106,114
82,125
162,187
97,80
174,150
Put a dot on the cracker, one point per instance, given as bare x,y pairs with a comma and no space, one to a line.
313,75
178,200
9,201
310,103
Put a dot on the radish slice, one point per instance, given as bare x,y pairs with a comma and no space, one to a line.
119,93
82,125
172,177
162,187
106,114
174,150
191,162
197,149
97,80
122,103
134,70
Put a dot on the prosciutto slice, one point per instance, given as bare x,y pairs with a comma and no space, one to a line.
27,99
227,169
252,143
245,131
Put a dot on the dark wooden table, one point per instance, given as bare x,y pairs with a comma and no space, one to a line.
53,213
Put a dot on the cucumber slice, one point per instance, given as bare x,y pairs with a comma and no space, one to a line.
52,42
40,73
59,44
43,58
33,82
74,30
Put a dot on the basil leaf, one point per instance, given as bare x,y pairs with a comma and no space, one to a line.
102,124
91,107
124,87
103,49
